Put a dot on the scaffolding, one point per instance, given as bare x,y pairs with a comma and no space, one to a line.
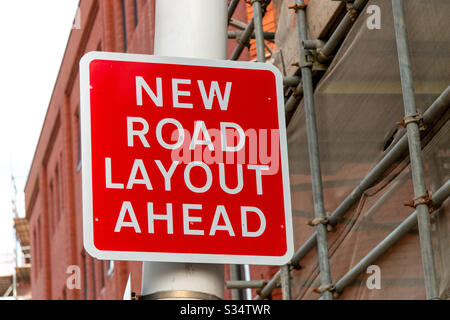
316,54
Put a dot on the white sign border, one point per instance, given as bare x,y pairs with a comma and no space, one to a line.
86,161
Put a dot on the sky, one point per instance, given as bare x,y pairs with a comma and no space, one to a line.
33,35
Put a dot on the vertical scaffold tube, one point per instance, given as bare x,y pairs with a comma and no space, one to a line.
285,280
314,159
259,32
412,126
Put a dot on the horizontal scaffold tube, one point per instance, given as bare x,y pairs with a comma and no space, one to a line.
242,284
236,34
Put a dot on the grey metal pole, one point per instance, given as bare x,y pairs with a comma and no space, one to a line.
231,8
235,276
253,284
434,112
246,35
291,81
268,288
438,197
412,127
294,99
259,32
285,280
341,30
243,40
314,159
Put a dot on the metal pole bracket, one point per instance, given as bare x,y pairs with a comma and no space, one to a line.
423,199
317,221
320,56
317,66
416,117
259,290
306,60
328,287
313,55
297,7
352,12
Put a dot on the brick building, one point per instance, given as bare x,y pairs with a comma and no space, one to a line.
61,269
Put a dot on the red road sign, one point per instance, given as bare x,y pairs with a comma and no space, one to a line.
184,160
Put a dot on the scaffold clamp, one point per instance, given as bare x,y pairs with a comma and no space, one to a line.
423,199
297,7
416,117
317,221
259,290
328,287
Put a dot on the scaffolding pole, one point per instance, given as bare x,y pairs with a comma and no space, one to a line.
431,115
411,122
235,276
241,284
248,32
242,42
232,8
314,158
285,279
341,30
259,32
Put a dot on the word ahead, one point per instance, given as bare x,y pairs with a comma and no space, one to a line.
184,160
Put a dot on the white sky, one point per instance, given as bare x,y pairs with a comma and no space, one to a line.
33,35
